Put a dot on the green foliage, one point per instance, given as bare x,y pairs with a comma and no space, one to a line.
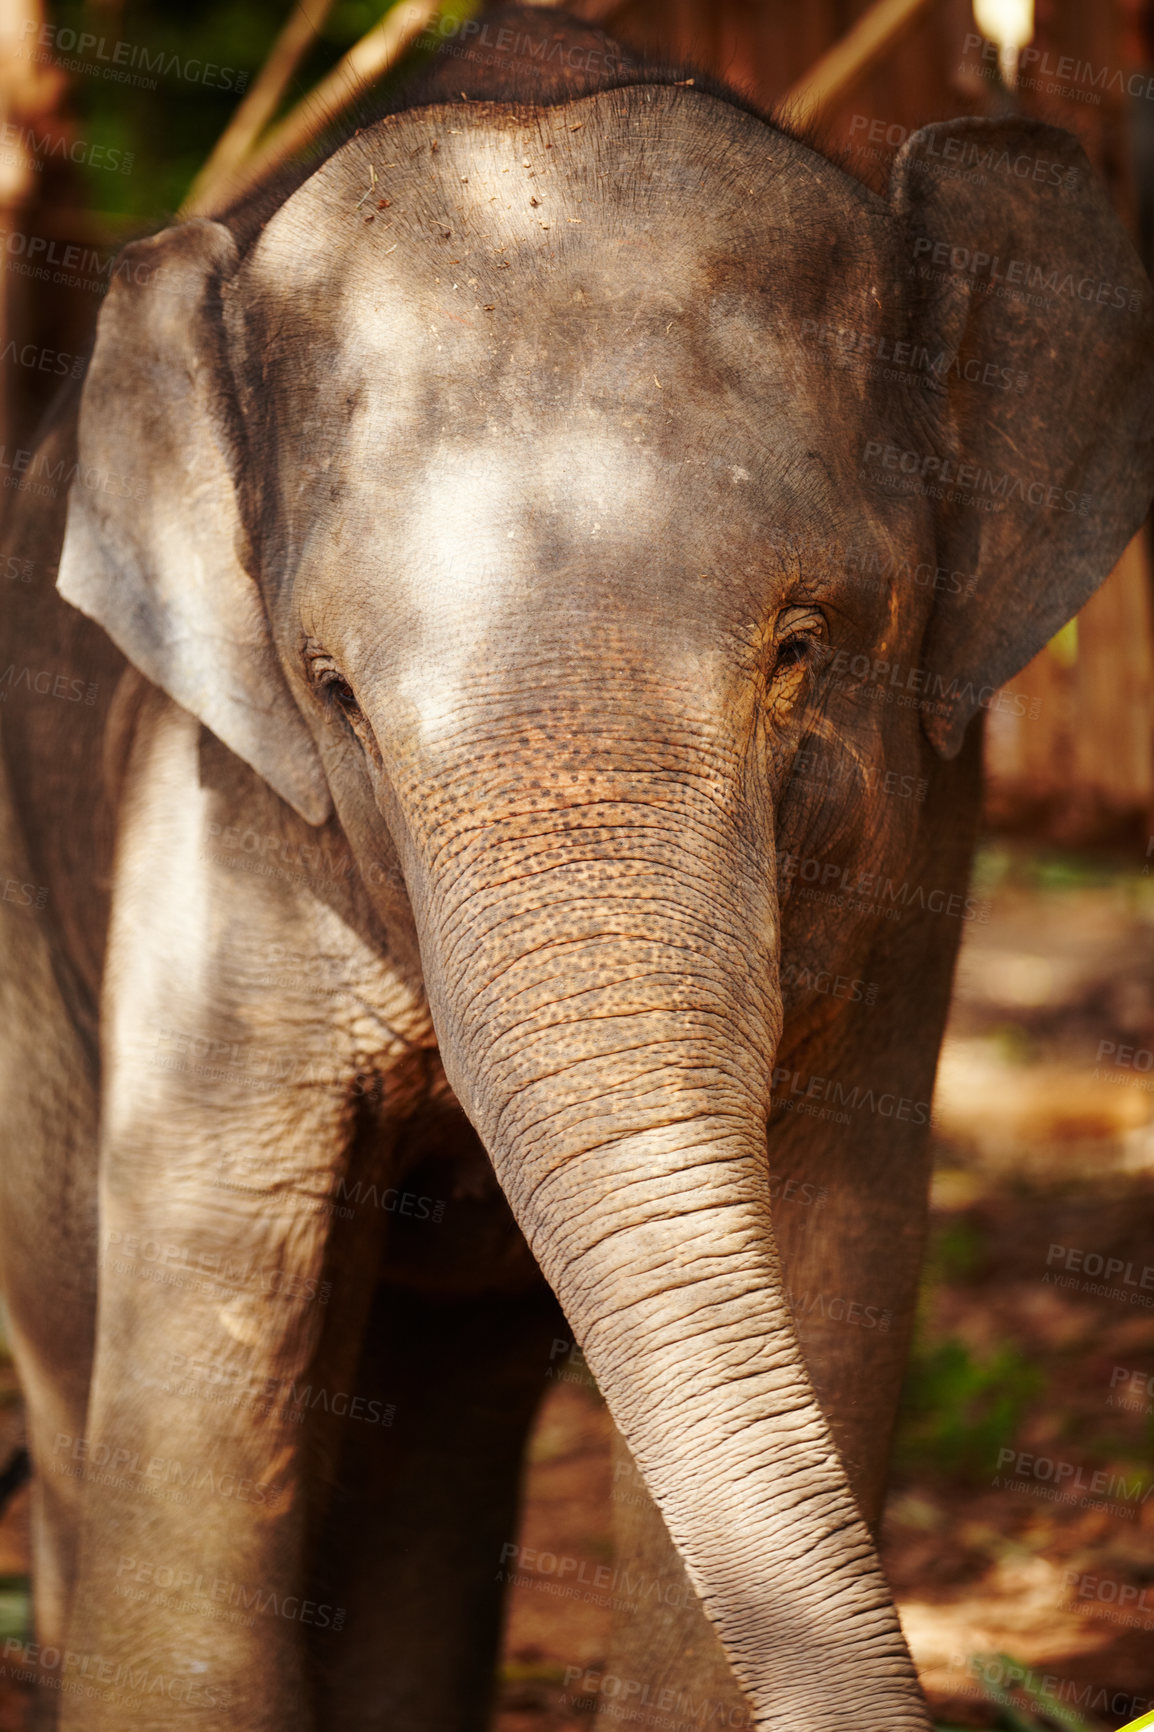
1020,867
526,1671
1026,1709
15,1607
958,1410
159,83
1023,1707
958,1251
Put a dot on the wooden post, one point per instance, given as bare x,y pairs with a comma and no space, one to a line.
843,66
30,94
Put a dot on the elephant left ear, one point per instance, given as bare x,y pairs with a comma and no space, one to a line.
154,546
1020,277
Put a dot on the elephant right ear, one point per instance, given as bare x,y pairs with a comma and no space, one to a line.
154,546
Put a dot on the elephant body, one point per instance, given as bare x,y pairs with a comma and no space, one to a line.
508,853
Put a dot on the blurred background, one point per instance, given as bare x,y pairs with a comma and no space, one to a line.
1033,1370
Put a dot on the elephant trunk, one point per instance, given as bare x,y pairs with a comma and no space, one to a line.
600,958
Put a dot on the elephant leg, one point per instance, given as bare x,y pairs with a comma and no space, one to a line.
47,1242
423,1507
850,1204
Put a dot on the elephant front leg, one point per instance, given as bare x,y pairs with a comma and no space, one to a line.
425,1510
212,1307
243,1014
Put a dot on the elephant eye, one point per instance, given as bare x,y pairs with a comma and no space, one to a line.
800,631
338,693
795,649
329,683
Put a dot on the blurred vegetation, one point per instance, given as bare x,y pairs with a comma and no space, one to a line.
170,129
957,1251
959,1408
15,1607
1025,1708
1025,866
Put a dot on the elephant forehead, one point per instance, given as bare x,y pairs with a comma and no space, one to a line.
612,321
487,262
589,526
591,422
589,504
566,354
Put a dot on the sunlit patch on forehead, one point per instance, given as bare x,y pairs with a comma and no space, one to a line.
484,523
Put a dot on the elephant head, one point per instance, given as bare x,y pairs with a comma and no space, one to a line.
502,491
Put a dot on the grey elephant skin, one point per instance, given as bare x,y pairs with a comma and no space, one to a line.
490,796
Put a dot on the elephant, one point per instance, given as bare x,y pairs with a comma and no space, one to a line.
491,757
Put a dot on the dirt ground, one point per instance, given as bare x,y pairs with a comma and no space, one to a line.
1019,1534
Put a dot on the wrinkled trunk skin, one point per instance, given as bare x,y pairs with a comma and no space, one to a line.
599,954
865,1241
